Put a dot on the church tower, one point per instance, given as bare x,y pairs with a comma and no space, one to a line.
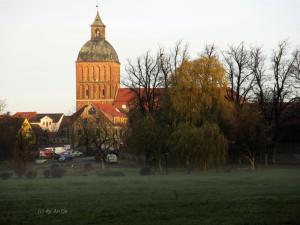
97,69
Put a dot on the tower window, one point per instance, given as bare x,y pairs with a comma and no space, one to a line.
103,92
97,33
87,92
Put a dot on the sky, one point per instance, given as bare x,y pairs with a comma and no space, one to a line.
40,40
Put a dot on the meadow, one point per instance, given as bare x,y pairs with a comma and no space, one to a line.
238,197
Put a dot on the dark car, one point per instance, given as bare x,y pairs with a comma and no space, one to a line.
65,158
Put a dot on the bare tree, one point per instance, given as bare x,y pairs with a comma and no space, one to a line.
2,106
149,73
282,85
209,51
170,61
97,132
144,77
258,69
296,69
239,76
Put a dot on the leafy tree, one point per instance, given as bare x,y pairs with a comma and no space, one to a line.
25,142
199,89
147,138
184,142
199,146
213,146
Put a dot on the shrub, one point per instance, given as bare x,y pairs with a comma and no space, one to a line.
146,171
57,172
31,174
46,173
6,175
88,166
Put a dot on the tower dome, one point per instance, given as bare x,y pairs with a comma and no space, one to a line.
97,49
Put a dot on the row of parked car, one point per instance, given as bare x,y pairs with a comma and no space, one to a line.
61,155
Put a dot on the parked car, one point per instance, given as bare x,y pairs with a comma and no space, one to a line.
76,153
65,158
111,158
73,153
40,161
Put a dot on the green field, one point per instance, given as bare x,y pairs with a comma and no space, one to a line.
270,196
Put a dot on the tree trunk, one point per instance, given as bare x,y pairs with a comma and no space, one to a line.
102,164
159,165
252,162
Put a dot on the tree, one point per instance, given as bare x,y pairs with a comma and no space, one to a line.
171,61
95,131
199,146
144,79
296,68
25,142
251,133
213,146
184,142
239,76
147,138
282,86
149,80
2,106
198,90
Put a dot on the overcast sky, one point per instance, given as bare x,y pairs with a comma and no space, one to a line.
40,40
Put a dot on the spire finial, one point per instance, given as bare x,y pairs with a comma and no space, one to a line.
97,5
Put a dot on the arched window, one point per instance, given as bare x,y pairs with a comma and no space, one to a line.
87,92
97,33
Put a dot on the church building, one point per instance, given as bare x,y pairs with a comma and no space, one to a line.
97,69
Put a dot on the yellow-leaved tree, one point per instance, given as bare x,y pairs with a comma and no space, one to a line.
202,112
199,89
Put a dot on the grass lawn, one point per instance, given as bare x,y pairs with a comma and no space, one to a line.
270,196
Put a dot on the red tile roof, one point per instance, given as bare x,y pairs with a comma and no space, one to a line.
25,115
126,96
109,109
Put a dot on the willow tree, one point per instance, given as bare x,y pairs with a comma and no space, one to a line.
213,146
199,147
198,90
198,96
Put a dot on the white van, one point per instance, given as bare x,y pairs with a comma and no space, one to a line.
111,158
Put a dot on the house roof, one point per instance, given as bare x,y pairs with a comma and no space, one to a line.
126,96
25,115
54,116
66,122
109,109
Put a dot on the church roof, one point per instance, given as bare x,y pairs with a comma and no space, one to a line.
97,50
98,21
